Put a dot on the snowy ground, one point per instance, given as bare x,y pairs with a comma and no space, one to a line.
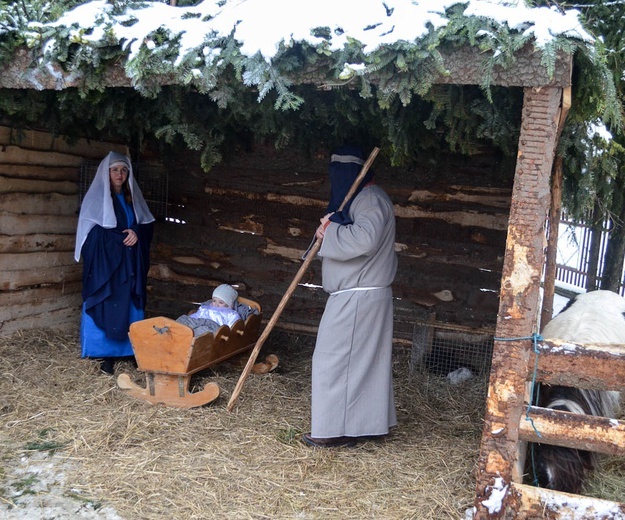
36,489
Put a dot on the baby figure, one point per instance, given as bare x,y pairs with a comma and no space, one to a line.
220,308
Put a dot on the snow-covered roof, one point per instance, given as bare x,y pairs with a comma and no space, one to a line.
261,26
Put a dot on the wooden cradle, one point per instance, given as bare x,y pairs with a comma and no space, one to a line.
169,354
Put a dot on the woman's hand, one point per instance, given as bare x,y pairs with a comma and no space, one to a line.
131,238
325,222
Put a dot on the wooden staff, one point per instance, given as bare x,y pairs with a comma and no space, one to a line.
287,295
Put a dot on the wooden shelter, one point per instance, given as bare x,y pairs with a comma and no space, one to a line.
241,209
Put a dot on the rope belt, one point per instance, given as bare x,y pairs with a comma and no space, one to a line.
356,289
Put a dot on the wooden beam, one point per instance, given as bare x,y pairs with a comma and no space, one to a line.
42,303
601,367
12,280
267,197
49,142
551,265
25,71
519,296
12,154
545,504
463,66
48,204
555,213
582,432
64,319
483,196
12,185
16,262
463,218
13,224
38,242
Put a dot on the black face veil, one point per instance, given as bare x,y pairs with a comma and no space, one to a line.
345,165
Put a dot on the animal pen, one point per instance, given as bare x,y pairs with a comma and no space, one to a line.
257,236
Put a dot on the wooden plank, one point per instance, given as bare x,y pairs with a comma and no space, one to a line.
28,296
532,503
17,262
461,218
166,273
47,141
39,204
49,173
11,184
161,345
12,224
582,432
39,305
455,254
297,328
495,197
11,154
37,243
63,319
12,280
295,200
601,367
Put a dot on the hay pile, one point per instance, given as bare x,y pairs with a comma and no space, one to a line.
154,462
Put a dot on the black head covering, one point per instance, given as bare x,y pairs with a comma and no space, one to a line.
345,165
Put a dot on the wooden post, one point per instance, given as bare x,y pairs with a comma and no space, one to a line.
555,214
519,297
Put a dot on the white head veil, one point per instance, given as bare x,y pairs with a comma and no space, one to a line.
97,206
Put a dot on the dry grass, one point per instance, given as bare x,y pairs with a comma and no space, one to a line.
154,462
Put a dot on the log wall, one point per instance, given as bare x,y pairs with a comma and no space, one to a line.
247,222
39,279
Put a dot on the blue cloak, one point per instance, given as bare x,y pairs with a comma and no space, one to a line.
114,275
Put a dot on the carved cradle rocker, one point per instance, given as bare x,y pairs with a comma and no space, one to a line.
169,355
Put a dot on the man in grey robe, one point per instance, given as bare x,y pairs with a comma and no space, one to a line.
352,388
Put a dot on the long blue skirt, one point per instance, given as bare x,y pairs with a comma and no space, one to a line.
94,342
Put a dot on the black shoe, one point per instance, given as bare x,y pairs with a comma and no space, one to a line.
107,366
331,442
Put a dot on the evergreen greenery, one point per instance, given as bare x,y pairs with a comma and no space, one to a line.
593,143
391,102
196,101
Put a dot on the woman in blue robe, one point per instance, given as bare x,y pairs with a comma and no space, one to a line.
114,235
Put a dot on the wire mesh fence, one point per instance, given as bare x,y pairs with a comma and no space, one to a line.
447,352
